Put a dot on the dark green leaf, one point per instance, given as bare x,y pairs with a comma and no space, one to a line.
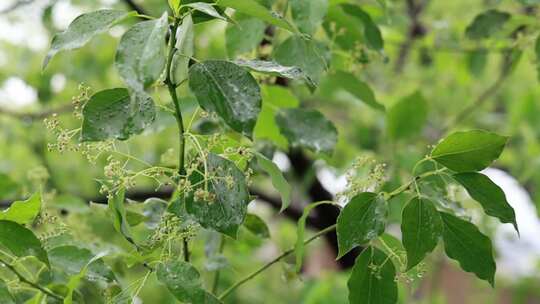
537,51
275,69
309,55
118,213
489,195
5,295
228,210
338,21
257,226
244,36
308,129
23,212
486,24
229,90
477,61
21,241
372,279
184,282
407,117
278,180
114,114
253,8
469,151
308,14
140,56
82,29
274,98
185,41
300,229
72,260
464,243
372,34
421,226
205,8
360,221
349,83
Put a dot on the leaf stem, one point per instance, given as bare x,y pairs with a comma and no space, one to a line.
275,260
25,280
215,284
404,187
178,114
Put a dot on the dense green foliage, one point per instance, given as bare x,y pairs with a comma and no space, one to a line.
197,98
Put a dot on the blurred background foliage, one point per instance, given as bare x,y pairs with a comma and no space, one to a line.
425,50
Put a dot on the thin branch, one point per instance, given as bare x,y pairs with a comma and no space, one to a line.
275,260
15,6
63,109
415,31
134,6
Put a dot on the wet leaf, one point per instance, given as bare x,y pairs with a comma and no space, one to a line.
278,180
21,241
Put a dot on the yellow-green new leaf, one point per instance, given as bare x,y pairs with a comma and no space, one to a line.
253,8
23,212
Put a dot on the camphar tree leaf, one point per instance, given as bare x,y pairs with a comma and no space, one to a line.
275,69
489,195
23,212
84,28
307,129
362,219
421,226
311,56
469,150
228,90
278,180
116,114
185,45
244,35
254,224
308,14
407,117
372,33
71,260
118,214
5,296
184,282
372,279
486,24
464,243
228,209
140,56
21,241
255,9
206,8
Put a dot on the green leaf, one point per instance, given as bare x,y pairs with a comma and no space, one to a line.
308,14
184,282
8,187
140,56
372,279
477,61
278,180
537,51
274,98
360,221
300,229
75,280
205,8
175,6
118,213
257,226
349,83
407,117
115,114
275,69
5,295
469,151
309,55
464,243
307,129
253,8
82,29
229,90
421,226
185,46
244,35
372,34
72,260
21,241
228,210
486,24
338,21
489,195
23,212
